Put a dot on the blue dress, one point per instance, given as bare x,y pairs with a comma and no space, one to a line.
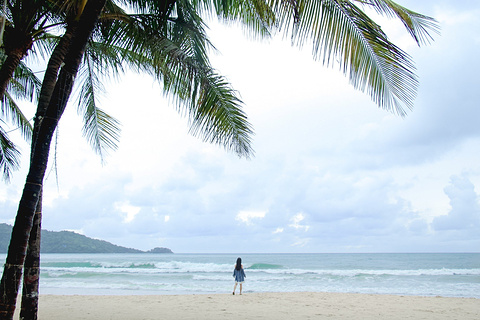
239,275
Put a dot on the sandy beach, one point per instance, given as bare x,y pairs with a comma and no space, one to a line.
305,305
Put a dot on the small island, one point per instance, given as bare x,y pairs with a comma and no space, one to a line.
160,250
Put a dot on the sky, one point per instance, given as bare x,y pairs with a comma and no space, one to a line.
331,173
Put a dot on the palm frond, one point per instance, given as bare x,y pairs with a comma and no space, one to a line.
43,45
101,130
9,156
256,16
340,30
105,58
217,115
23,85
213,108
175,51
11,111
161,8
418,25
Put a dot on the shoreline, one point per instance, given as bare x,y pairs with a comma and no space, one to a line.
271,305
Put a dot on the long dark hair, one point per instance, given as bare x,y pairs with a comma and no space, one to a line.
239,264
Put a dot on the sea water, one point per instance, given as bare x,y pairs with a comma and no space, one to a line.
434,274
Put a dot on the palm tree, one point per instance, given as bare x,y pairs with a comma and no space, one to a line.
24,22
24,84
338,29
30,19
41,145
208,89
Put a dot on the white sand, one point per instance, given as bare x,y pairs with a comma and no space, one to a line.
276,306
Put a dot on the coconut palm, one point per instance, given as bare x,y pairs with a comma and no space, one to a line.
217,104
24,84
32,19
41,145
32,24
338,29
27,24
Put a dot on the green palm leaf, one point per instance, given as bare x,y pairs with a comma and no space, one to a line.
9,155
10,110
217,115
340,30
23,85
175,51
256,16
418,25
100,129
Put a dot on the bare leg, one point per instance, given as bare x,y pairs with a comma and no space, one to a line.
235,287
240,288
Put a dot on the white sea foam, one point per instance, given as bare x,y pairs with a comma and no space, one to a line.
447,275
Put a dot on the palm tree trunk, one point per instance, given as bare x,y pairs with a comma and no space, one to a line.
30,303
16,45
31,274
8,67
51,73
23,223
31,277
12,271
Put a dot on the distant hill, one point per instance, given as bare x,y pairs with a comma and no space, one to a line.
71,242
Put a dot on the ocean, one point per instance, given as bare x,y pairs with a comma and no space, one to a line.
431,274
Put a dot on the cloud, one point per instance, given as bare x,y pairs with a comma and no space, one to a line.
278,230
296,219
247,216
300,243
332,172
465,207
126,207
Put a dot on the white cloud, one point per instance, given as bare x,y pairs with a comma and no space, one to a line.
296,219
128,209
278,230
465,207
300,243
247,216
327,159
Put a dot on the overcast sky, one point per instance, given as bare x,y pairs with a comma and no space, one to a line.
331,172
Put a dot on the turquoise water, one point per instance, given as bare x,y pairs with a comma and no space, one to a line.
452,275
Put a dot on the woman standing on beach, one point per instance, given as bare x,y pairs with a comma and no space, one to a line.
239,275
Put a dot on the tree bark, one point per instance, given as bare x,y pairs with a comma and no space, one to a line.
51,74
23,223
16,45
31,277
31,267
6,71
12,272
